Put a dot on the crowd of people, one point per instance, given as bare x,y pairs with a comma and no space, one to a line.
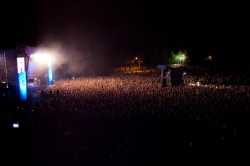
137,96
232,78
116,118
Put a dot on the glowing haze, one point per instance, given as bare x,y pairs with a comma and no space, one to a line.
68,57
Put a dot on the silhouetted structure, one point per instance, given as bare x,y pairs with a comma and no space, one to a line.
176,75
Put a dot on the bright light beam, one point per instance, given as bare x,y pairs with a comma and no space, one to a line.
44,58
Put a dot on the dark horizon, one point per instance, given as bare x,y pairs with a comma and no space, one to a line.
113,31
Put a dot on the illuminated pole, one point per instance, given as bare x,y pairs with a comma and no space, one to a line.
163,74
139,64
50,74
181,59
135,59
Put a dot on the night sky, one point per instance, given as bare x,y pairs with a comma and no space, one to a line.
116,30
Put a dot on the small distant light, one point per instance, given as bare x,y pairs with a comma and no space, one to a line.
15,125
198,83
184,73
210,58
191,143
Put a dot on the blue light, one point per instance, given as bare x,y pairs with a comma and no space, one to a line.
50,78
22,85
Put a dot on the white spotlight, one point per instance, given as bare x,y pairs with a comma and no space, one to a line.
15,125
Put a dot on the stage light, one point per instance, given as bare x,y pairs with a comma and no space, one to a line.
44,57
41,58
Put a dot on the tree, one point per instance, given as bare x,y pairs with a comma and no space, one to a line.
178,58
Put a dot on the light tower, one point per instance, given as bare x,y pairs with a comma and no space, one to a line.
22,76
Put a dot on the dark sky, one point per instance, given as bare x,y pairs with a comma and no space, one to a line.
126,27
